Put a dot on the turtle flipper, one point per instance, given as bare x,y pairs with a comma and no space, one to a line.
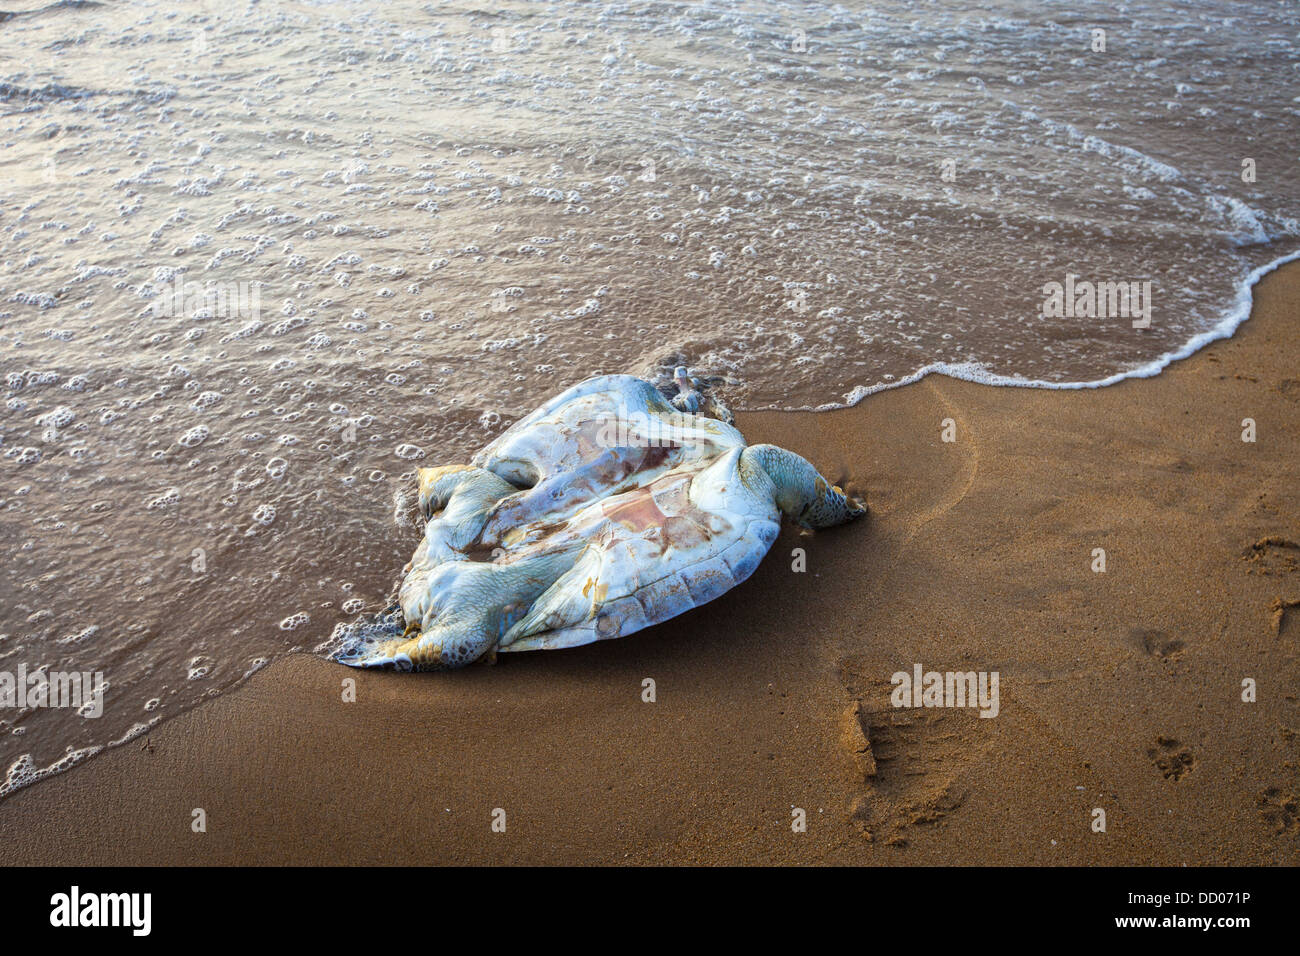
456,630
461,610
441,647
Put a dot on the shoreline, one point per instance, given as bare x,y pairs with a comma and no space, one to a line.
1120,690
975,372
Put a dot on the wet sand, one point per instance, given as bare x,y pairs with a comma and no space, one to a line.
1118,690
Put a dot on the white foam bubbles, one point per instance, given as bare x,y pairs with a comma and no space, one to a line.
195,436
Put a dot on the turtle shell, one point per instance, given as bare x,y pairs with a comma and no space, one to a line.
651,493
654,550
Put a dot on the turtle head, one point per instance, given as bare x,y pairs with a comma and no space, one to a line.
801,492
830,506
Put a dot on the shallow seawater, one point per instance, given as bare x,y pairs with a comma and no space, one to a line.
260,260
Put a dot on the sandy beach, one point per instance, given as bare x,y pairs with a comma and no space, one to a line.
1119,690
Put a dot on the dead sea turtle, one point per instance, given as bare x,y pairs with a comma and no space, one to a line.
604,511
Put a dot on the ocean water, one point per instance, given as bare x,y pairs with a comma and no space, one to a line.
259,260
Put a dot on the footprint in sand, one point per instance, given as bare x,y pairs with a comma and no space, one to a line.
1272,554
1279,810
1157,644
1278,611
1171,758
1275,555
912,761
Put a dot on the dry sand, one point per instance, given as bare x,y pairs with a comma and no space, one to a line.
1119,690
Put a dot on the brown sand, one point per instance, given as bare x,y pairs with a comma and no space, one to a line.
1119,691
